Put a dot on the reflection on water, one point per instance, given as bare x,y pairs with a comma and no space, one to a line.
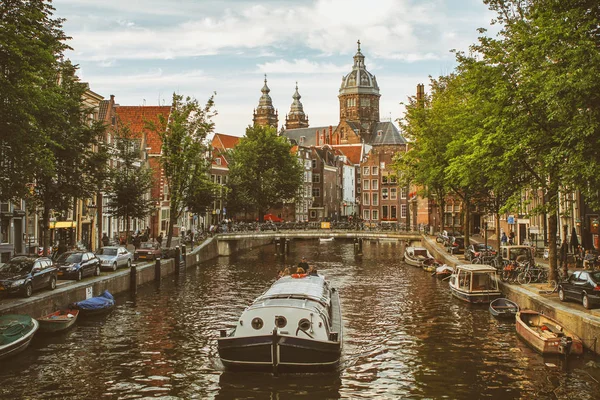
405,337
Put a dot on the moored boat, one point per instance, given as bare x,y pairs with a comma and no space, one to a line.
329,239
475,283
546,335
98,305
443,271
58,321
16,332
504,308
416,256
295,325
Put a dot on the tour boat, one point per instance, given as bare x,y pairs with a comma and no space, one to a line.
16,332
504,308
475,283
415,256
58,321
295,325
546,335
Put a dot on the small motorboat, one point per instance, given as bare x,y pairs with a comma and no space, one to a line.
504,308
430,265
98,305
329,239
546,335
443,271
475,283
296,325
16,332
58,321
416,256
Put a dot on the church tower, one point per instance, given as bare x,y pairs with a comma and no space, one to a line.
359,97
265,114
296,118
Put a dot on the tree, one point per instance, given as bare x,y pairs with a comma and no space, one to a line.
31,44
263,171
183,134
130,181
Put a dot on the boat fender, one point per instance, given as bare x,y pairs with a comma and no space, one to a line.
297,276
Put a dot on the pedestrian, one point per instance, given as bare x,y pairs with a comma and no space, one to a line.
511,238
105,239
504,239
159,239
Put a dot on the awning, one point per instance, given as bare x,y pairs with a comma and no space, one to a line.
61,224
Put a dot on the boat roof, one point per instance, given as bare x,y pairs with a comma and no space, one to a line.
476,267
310,287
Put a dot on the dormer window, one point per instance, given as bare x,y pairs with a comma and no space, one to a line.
218,161
302,139
379,133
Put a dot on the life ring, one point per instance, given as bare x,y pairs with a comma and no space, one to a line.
298,276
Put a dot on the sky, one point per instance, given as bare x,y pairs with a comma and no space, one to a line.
142,51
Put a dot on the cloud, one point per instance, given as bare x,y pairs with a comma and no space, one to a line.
302,66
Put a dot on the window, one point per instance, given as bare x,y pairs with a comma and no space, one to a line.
375,215
393,212
302,139
218,161
403,193
393,194
365,170
367,215
219,179
165,192
448,208
366,199
393,179
212,178
382,165
316,178
4,224
366,184
379,133
403,211
374,171
384,179
384,212
358,189
375,184
456,207
314,163
384,194
375,199
313,214
316,192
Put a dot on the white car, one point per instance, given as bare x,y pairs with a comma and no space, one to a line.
113,257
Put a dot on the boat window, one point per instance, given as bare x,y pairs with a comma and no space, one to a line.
304,324
484,282
464,280
257,323
280,321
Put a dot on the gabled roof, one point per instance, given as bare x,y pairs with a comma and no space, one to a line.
103,110
309,134
136,118
353,152
389,134
223,141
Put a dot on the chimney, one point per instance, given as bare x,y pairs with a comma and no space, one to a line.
420,93
317,133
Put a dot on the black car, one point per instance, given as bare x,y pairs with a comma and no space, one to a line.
475,250
455,245
77,264
582,286
24,275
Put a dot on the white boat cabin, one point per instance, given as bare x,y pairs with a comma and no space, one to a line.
474,278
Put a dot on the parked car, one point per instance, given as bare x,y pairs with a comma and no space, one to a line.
517,253
24,275
455,245
147,251
77,264
113,257
474,250
581,286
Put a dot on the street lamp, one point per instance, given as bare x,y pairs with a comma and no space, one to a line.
92,210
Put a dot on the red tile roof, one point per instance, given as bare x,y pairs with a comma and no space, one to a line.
136,117
223,141
353,152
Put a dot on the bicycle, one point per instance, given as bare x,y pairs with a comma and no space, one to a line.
554,284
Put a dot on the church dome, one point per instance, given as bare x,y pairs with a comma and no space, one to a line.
359,80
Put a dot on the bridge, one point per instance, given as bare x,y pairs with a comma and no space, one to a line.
231,242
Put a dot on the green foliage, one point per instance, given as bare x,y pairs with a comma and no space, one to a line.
185,165
262,171
31,43
130,181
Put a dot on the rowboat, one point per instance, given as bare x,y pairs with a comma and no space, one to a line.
16,332
58,321
415,256
504,308
475,283
296,325
443,271
98,305
546,335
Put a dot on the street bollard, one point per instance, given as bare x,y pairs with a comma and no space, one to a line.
277,247
157,274
133,279
287,246
184,255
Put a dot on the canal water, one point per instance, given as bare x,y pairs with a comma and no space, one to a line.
405,338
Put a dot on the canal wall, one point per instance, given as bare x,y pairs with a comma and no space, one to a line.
45,301
584,323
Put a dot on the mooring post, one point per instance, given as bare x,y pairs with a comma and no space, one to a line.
278,246
360,246
177,259
287,246
184,255
133,278
157,274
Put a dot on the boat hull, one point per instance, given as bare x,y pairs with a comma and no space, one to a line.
504,309
57,321
13,348
411,261
285,353
85,313
475,297
550,344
